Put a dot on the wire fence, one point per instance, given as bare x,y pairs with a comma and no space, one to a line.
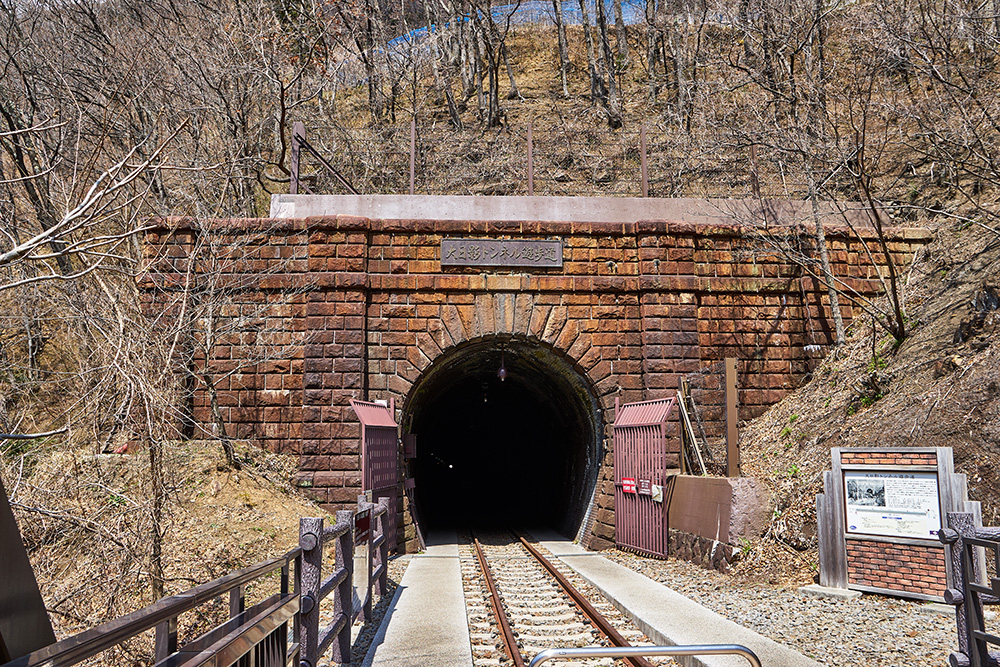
565,161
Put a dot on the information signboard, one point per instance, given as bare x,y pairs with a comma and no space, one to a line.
893,504
628,484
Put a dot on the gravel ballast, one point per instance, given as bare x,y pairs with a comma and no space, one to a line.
871,630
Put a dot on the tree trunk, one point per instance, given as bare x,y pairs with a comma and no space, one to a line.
366,51
651,49
157,487
477,65
621,41
597,90
564,47
824,258
612,104
218,422
491,57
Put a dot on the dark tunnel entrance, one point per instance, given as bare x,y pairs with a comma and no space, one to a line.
523,452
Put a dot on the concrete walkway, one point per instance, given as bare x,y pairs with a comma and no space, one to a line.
667,617
426,624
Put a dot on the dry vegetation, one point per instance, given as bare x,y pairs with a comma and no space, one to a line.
939,388
111,111
85,517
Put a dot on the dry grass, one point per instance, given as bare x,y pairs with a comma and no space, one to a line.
86,521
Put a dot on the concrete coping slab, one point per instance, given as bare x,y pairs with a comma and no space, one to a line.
938,609
817,591
552,208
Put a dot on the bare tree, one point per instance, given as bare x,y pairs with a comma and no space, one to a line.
563,46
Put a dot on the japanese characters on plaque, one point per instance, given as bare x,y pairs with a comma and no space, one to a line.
491,252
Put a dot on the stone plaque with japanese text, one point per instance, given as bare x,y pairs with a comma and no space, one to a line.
491,252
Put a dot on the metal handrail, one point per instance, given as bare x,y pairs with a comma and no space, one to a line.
89,643
646,651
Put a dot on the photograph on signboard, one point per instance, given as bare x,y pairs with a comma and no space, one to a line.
868,492
894,504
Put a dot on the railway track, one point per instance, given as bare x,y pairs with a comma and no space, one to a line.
521,603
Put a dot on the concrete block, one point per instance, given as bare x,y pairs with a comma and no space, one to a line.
817,591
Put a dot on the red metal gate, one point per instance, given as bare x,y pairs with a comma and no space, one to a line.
640,455
379,457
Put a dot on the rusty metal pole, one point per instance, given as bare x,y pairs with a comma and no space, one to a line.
732,417
298,134
413,155
531,164
366,608
311,577
755,174
382,585
344,599
642,157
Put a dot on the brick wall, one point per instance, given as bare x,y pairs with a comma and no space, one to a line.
896,567
353,307
888,457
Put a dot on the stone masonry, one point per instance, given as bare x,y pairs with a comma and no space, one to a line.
320,310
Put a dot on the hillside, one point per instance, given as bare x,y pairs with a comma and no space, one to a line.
192,113
940,388
86,520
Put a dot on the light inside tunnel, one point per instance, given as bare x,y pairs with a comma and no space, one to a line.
522,452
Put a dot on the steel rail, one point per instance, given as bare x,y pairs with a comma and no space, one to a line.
588,609
509,641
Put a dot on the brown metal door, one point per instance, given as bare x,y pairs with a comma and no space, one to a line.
380,458
640,461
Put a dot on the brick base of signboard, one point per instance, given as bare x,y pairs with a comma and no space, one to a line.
907,568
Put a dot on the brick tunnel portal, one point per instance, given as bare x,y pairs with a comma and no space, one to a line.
357,301
523,451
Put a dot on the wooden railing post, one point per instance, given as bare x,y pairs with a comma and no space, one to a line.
237,601
732,418
344,598
310,578
165,642
961,525
298,135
